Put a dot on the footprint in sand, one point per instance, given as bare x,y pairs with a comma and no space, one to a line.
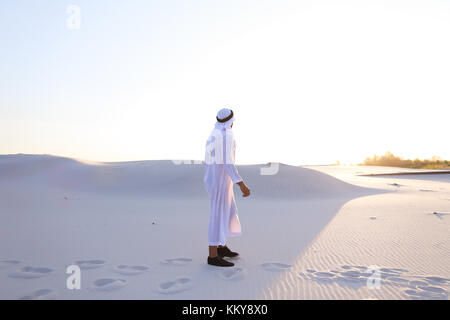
413,286
177,261
354,274
399,270
433,279
427,292
275,266
89,264
8,263
415,294
391,272
108,284
30,272
346,267
433,289
320,276
41,294
176,286
398,280
360,267
416,287
416,283
350,276
324,274
346,277
427,287
353,278
130,270
233,273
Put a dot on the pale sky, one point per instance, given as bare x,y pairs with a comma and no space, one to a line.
310,82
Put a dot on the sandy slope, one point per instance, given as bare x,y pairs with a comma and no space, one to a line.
143,226
138,230
405,233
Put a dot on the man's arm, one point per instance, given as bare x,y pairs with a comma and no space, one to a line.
231,168
236,178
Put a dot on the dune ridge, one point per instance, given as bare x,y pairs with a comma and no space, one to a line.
138,229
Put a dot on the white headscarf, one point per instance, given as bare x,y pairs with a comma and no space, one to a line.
222,114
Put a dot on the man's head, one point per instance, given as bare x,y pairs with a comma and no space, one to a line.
225,118
224,115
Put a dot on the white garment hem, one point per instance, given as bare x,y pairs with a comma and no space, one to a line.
217,243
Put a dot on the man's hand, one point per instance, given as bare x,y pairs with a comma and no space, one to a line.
245,190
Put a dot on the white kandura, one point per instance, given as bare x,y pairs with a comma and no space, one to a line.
220,175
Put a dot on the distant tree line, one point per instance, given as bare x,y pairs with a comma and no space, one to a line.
389,160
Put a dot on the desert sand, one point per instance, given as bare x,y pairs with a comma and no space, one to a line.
138,230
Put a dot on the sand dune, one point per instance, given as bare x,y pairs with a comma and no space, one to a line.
162,178
138,230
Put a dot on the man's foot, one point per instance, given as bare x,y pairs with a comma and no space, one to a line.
219,262
226,252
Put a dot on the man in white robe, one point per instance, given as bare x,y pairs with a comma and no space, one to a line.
220,176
